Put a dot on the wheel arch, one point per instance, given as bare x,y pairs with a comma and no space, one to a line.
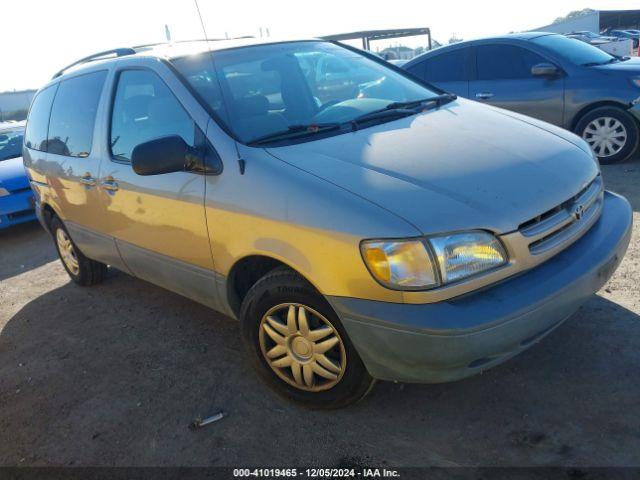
246,271
48,213
593,106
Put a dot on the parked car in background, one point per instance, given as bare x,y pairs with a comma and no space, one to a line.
398,62
618,47
16,197
395,233
634,32
625,34
560,80
591,38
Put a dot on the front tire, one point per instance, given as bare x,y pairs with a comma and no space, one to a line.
298,345
611,133
82,270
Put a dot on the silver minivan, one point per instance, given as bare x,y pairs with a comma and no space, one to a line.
359,224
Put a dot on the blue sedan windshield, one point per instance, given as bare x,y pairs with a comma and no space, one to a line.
261,90
574,51
10,144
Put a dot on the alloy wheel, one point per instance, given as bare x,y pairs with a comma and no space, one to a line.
606,136
302,347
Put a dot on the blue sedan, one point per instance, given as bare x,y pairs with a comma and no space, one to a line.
16,197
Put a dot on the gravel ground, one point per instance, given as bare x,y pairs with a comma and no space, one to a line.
114,374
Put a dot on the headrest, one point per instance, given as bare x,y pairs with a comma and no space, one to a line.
252,106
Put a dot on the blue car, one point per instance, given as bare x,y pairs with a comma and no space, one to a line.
16,197
560,80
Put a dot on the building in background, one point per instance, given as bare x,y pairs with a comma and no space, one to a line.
600,22
14,105
398,52
596,21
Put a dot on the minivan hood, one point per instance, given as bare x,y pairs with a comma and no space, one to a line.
13,175
464,166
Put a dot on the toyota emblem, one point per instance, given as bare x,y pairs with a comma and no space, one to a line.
578,211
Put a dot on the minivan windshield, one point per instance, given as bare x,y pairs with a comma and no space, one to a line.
298,90
11,144
574,51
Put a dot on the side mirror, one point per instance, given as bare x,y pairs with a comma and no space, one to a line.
161,155
545,70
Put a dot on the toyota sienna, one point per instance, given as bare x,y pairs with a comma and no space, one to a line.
359,224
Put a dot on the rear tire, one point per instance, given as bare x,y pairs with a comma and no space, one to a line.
611,133
298,345
82,270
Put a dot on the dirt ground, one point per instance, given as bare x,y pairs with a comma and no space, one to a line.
114,374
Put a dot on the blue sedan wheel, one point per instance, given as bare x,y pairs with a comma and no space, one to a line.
611,133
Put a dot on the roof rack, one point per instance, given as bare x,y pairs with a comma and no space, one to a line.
147,45
118,52
121,52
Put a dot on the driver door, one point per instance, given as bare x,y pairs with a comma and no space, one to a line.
504,79
158,221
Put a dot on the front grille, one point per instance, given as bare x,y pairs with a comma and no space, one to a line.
565,222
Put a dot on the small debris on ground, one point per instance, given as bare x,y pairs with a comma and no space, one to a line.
201,422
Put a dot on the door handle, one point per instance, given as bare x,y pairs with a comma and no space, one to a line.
87,180
109,184
484,95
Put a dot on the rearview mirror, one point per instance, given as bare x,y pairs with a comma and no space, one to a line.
161,155
545,70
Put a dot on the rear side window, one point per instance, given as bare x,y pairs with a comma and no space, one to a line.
38,121
73,115
505,62
417,69
145,109
447,67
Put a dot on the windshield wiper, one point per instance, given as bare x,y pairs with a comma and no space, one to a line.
402,109
392,110
296,131
437,101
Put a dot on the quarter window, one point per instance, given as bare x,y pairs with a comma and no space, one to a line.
38,121
505,62
73,115
145,109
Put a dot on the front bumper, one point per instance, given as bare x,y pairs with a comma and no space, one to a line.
17,208
446,341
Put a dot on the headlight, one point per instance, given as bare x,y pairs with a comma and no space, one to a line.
462,255
636,81
404,264
4,192
411,265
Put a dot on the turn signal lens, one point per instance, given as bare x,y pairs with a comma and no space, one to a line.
403,265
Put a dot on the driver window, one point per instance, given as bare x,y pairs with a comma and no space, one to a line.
145,109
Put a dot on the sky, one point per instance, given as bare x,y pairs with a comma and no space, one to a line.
39,37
